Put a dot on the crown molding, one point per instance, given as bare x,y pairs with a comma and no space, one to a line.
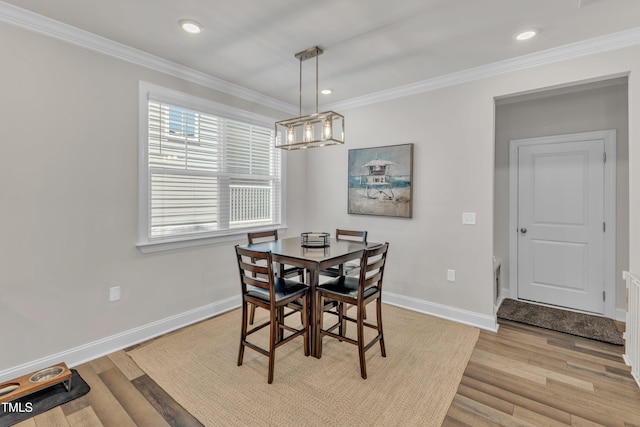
596,45
49,27
40,24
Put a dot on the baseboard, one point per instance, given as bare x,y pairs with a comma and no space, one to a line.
471,318
628,363
93,350
621,315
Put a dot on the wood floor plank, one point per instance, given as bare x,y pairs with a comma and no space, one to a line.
52,418
463,415
126,364
519,339
577,421
512,367
452,422
84,418
101,364
608,406
535,418
483,412
486,399
518,400
136,405
105,405
582,350
571,400
75,405
526,370
29,422
170,410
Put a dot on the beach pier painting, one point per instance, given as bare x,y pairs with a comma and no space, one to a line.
380,180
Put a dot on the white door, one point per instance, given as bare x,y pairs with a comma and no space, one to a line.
560,244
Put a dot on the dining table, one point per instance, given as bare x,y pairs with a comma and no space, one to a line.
291,252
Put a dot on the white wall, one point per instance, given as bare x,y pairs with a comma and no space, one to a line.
69,203
453,172
453,132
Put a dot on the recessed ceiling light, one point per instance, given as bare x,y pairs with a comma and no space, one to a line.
190,26
526,35
326,91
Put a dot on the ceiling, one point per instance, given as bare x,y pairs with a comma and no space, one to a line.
369,45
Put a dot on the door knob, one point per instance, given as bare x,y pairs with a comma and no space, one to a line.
523,230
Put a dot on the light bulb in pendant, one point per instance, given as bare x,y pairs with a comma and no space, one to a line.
327,129
308,132
290,135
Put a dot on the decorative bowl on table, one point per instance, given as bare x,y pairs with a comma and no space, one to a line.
314,239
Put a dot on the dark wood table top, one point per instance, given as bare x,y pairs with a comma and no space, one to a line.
289,250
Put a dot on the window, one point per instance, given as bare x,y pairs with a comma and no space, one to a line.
207,170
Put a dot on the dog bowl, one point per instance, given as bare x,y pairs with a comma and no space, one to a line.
46,374
8,388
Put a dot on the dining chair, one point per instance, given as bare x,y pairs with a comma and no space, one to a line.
348,268
286,272
261,287
359,291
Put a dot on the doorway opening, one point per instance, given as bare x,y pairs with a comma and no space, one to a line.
545,148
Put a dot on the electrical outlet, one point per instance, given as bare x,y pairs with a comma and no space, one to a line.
114,293
469,218
451,275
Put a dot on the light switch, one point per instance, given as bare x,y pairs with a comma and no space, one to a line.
469,218
451,275
114,293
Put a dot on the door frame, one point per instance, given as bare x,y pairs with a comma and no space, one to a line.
609,268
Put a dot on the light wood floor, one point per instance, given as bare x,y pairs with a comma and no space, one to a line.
521,376
527,376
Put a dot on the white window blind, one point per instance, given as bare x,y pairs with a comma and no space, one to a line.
207,175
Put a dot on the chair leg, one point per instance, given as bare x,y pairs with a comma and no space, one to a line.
342,311
318,325
253,314
273,337
280,319
379,318
363,366
243,332
305,324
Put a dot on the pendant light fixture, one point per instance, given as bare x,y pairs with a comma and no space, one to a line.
313,130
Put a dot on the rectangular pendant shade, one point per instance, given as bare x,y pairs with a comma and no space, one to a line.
314,130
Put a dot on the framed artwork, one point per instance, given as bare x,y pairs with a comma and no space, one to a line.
381,181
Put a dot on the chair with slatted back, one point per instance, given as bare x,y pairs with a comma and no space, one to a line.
261,287
285,271
349,268
359,291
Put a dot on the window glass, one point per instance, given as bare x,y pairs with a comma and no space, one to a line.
206,174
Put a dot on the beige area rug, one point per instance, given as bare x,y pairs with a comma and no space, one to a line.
413,385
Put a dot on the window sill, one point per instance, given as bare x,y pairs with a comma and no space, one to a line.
188,242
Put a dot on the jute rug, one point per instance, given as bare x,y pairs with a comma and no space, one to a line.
413,385
569,322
